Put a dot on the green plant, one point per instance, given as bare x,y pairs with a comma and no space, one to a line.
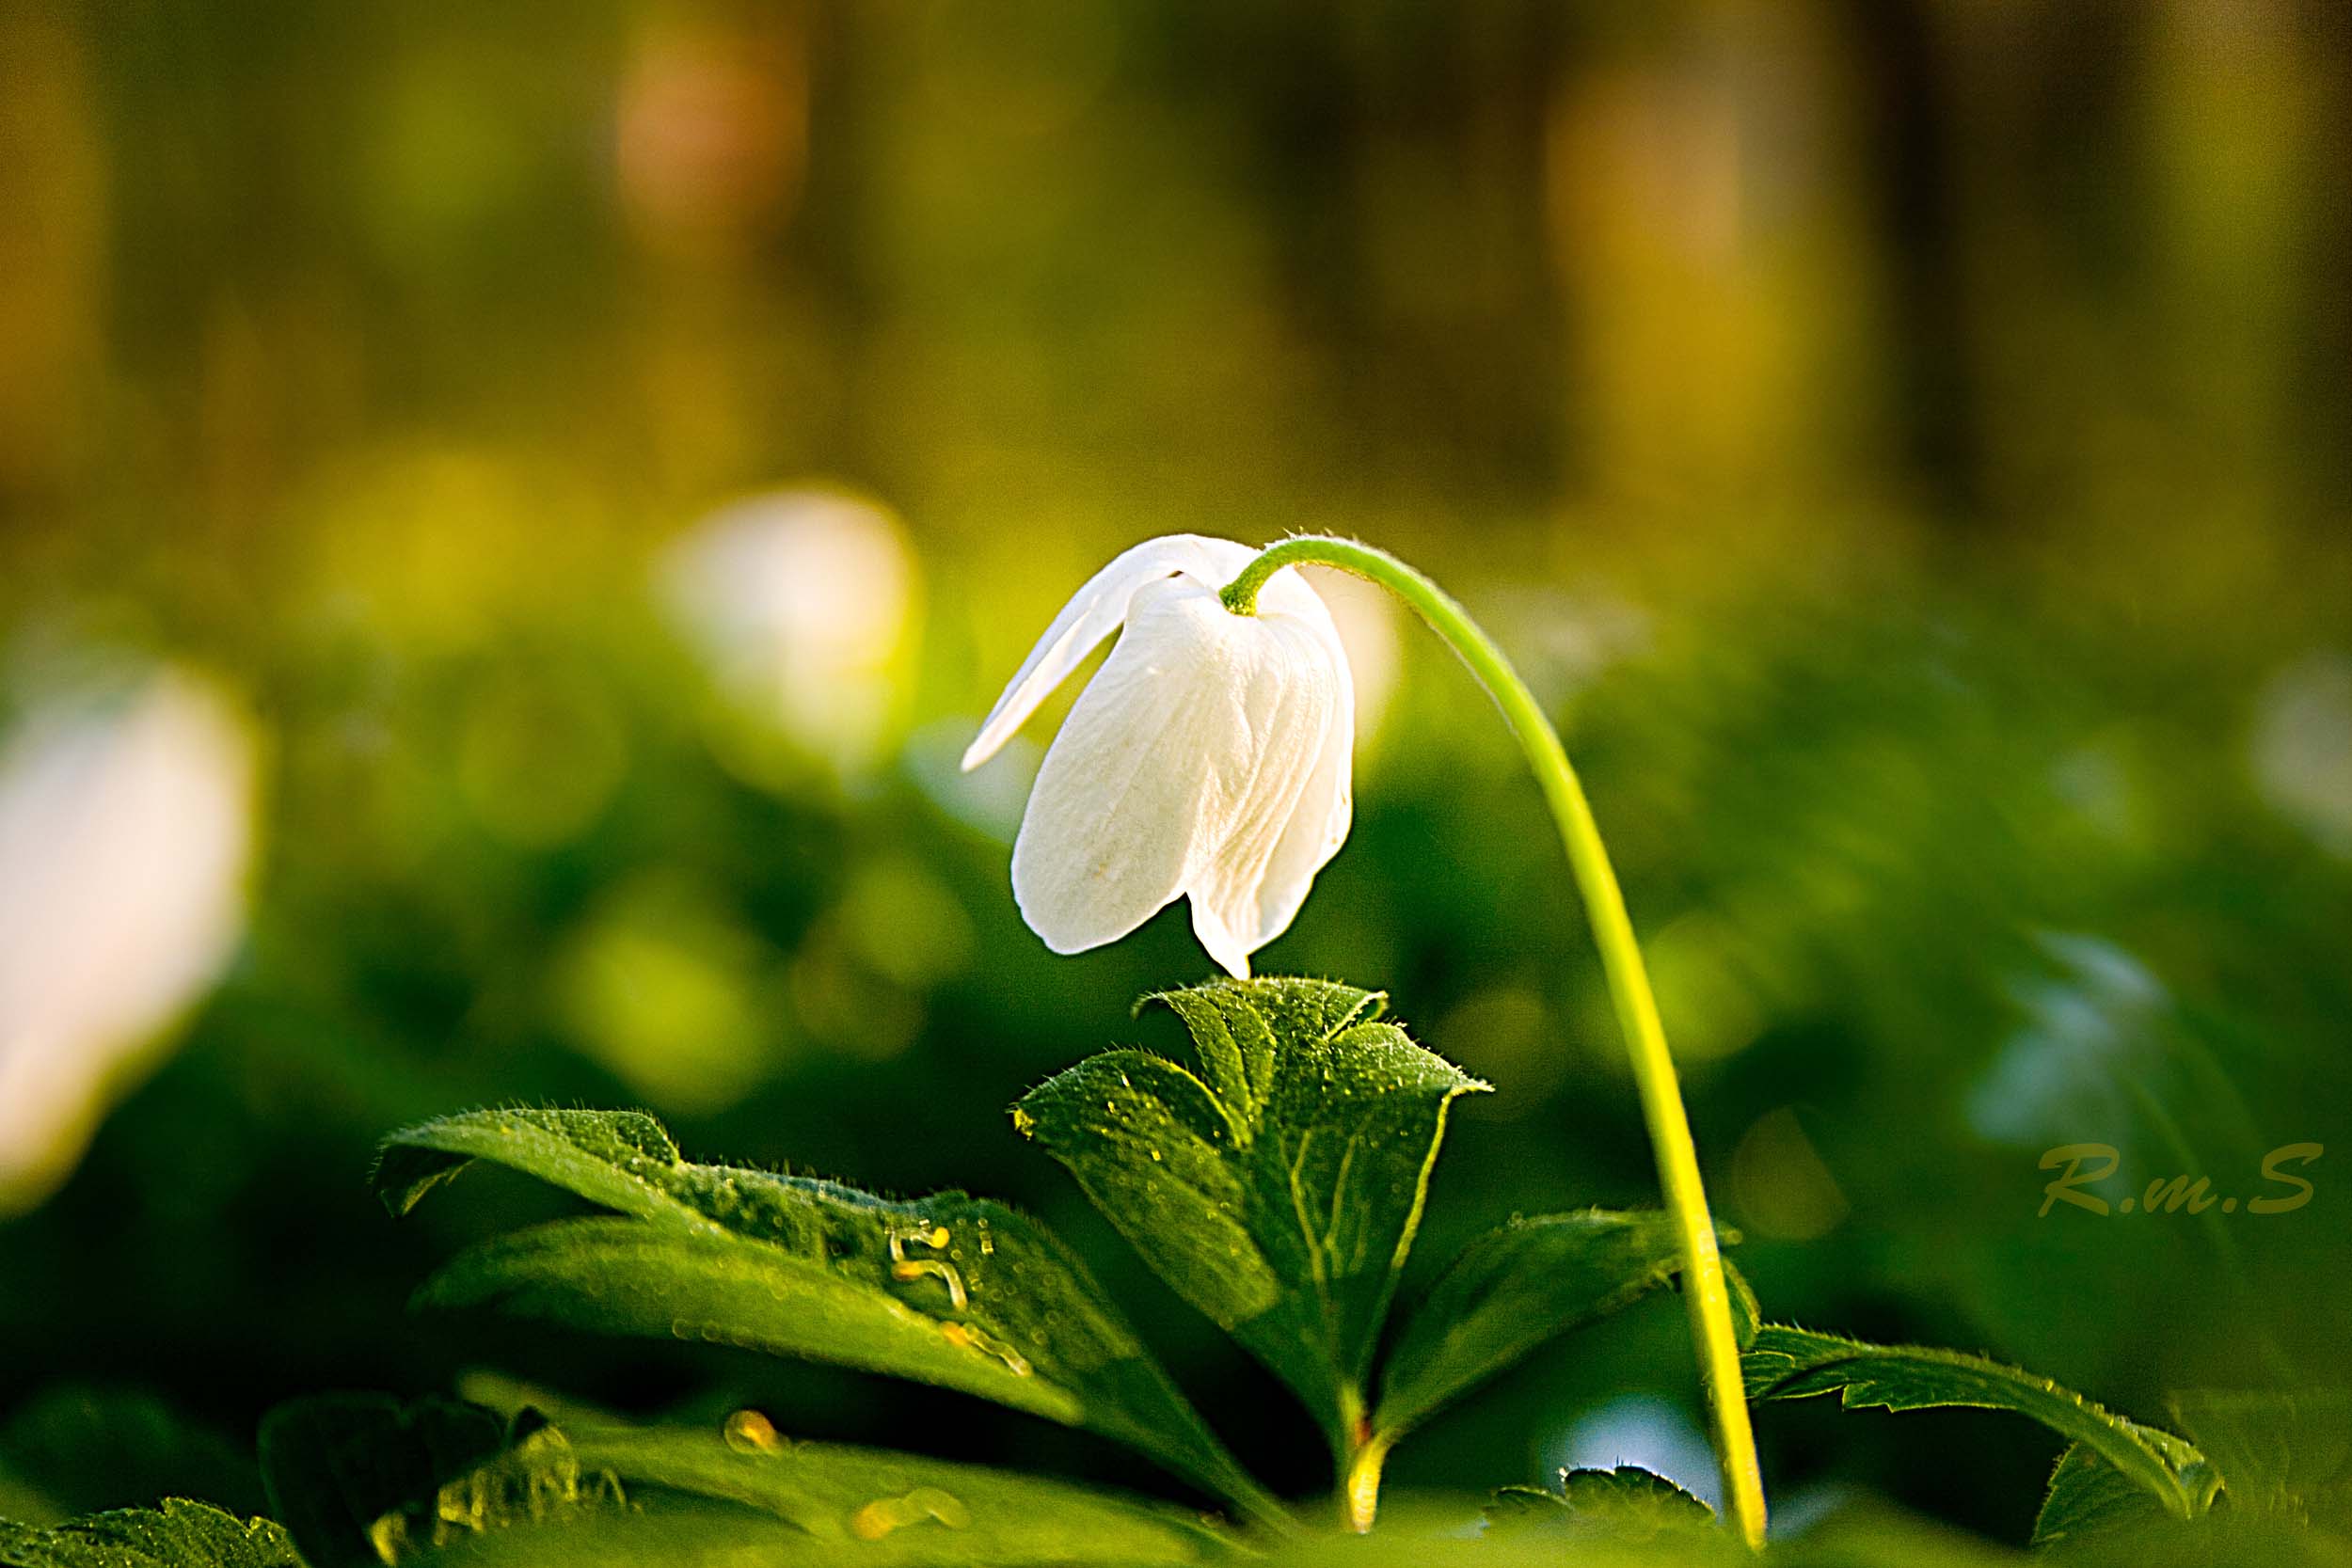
1276,1181
1210,760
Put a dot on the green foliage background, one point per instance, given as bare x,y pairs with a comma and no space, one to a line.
1907,446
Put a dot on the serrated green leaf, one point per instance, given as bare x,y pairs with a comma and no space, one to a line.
949,1289
337,1465
2275,1452
1515,1287
1631,1491
1624,1505
2089,1496
624,1160
178,1534
615,1275
1279,1189
1794,1363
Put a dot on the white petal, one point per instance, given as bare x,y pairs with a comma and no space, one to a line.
1211,930
1325,809
1298,764
1093,613
1187,749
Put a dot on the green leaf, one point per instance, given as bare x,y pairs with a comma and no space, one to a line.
1793,1363
339,1465
2287,1453
624,1160
2088,1497
1278,1189
898,1507
179,1535
1624,1505
949,1289
1513,1288
593,1490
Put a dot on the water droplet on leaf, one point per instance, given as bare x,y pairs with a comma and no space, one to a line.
749,1432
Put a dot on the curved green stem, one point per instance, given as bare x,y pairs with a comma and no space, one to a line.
1621,960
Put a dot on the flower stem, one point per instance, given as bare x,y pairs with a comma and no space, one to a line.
1669,1124
1361,1481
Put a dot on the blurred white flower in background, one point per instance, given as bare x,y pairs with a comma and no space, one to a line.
1366,615
125,833
2301,748
803,602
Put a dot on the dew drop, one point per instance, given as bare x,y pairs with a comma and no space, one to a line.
884,1515
749,1432
972,1337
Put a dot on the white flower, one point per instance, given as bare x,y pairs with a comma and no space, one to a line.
1207,759
125,838
803,602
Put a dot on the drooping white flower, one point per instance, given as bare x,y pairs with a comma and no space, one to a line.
1208,759
125,838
